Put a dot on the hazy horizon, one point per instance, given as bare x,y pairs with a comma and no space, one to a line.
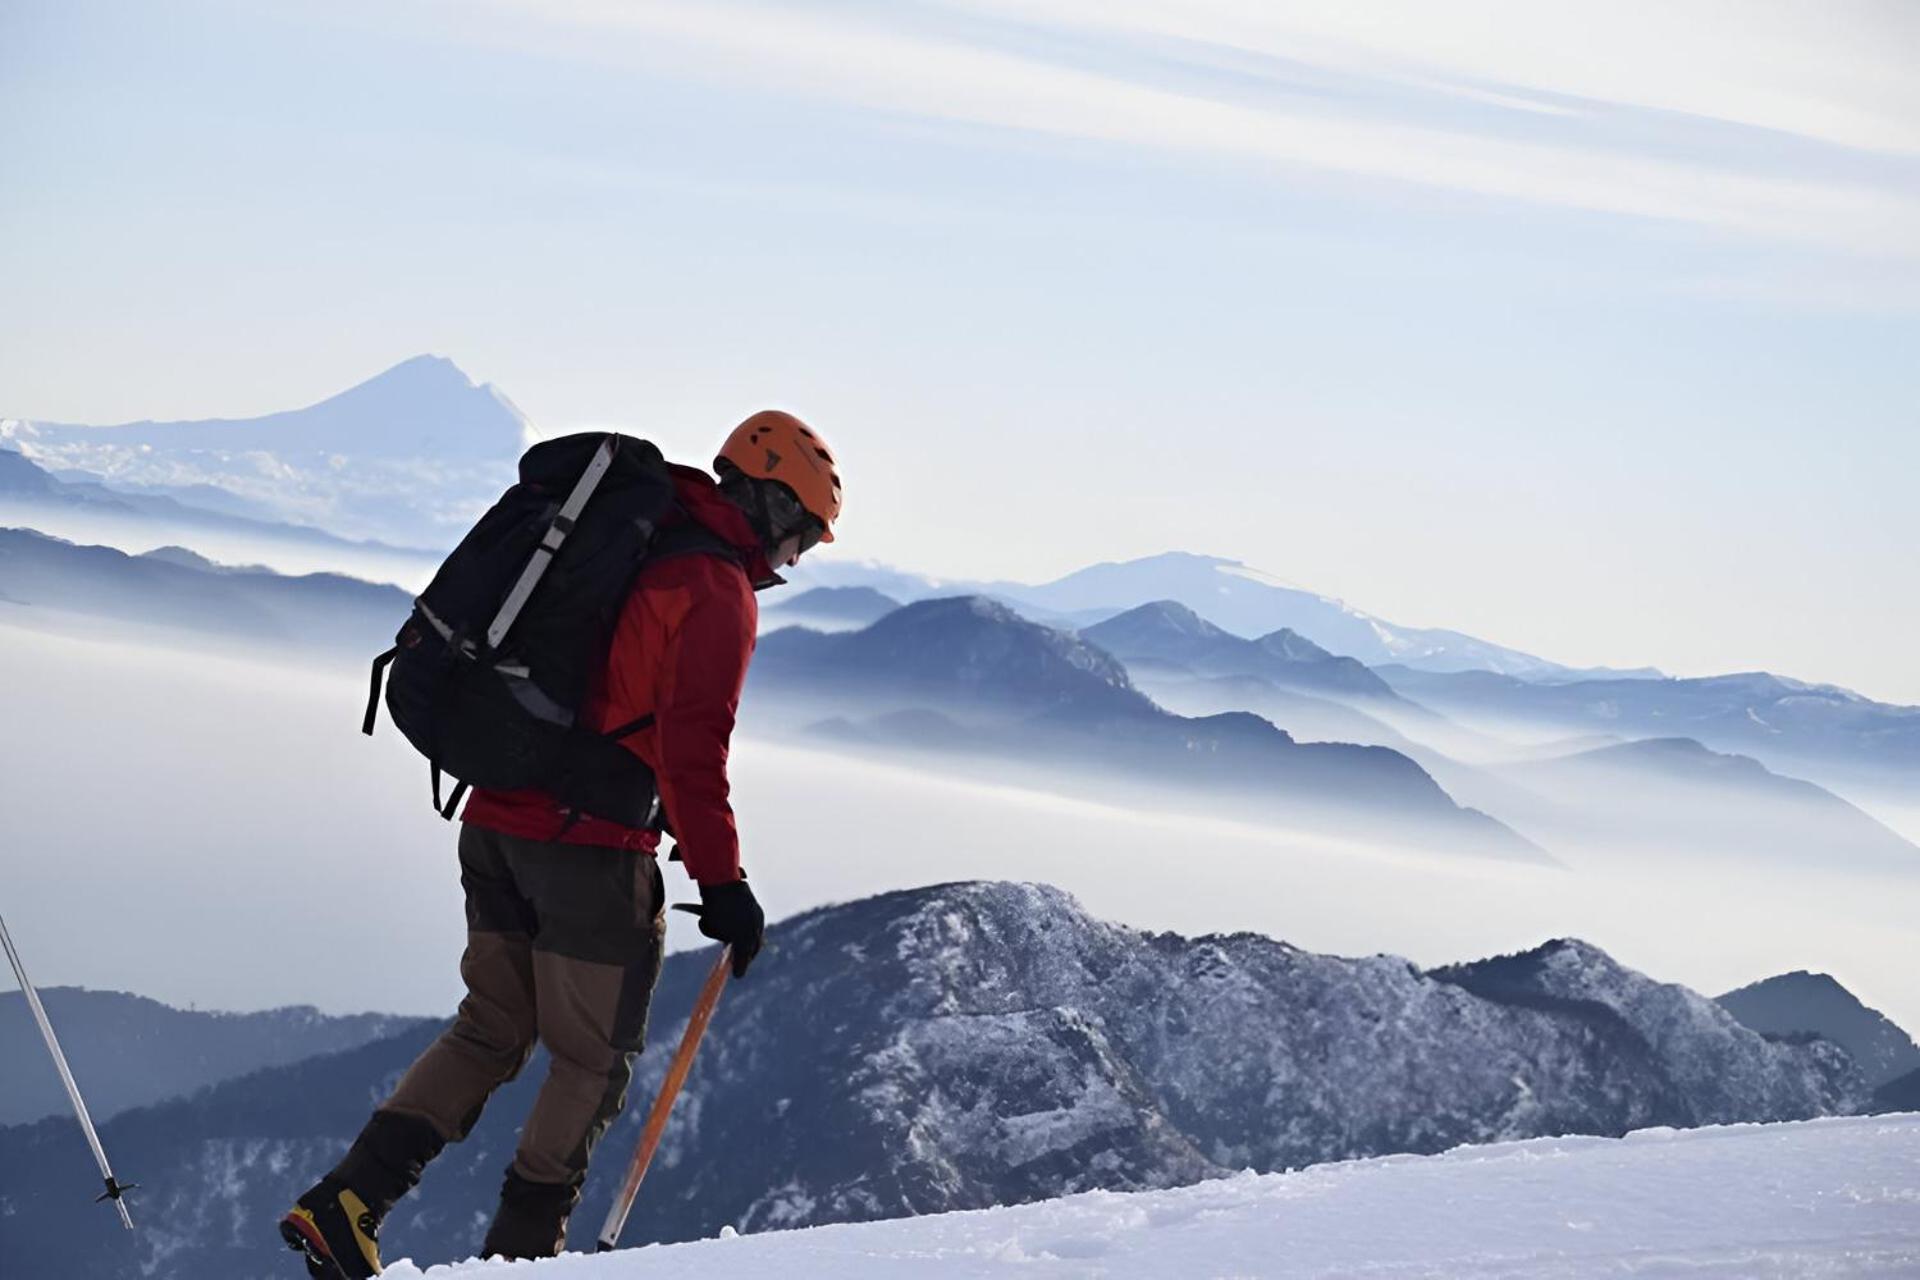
1586,328
403,567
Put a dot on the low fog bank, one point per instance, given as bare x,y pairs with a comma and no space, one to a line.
217,831
291,554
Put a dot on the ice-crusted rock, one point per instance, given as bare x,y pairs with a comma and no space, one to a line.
1721,1071
990,1042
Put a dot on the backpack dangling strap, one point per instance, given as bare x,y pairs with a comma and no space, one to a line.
459,790
373,689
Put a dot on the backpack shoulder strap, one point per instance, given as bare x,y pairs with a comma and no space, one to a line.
688,537
551,541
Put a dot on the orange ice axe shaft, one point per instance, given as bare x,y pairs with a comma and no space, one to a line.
663,1104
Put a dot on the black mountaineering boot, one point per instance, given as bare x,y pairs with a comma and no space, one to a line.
336,1224
532,1219
336,1230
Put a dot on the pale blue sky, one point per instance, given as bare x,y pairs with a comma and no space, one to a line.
1587,328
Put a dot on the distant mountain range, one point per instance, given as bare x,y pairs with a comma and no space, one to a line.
1230,595
996,693
1170,633
1673,795
828,609
128,1051
27,486
1656,795
956,1047
137,518
410,456
413,453
1802,1002
1791,725
968,674
179,590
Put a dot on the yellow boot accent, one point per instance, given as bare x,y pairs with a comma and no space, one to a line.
356,1215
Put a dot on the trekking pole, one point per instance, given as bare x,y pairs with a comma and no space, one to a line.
115,1190
663,1103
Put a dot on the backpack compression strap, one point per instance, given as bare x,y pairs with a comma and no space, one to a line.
373,690
550,544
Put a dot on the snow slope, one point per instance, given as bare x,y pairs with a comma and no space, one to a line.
1817,1198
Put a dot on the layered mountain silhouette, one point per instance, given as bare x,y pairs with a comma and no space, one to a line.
1673,795
965,654
1789,724
1167,632
1483,691
956,1047
1802,1002
967,673
971,677
33,495
829,609
176,589
1232,595
128,1051
1189,665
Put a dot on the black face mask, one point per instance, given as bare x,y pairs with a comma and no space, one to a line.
809,534
776,513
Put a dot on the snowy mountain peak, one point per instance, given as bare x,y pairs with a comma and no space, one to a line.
408,456
1248,602
426,369
430,400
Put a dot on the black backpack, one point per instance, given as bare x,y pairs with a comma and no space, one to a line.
490,671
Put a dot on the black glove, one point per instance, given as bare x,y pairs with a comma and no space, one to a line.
728,913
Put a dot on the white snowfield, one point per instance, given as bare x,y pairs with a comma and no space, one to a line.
1836,1197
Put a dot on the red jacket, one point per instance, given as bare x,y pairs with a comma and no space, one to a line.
680,652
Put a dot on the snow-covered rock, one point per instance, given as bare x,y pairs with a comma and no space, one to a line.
1821,1198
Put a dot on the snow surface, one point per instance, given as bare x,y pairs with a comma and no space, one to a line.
1836,1197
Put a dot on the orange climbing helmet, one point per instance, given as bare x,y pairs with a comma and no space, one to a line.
775,445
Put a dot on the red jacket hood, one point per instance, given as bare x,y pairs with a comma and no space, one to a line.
700,497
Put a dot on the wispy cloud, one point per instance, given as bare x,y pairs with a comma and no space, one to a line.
1838,71
1613,109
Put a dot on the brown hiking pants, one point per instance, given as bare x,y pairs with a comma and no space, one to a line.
564,946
